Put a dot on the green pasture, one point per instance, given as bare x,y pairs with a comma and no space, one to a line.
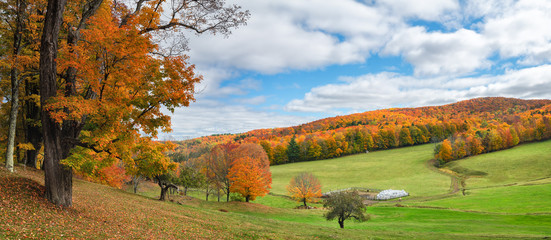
510,200
403,168
523,163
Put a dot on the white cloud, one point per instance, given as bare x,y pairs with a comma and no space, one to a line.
436,53
431,10
287,34
522,30
212,117
385,90
252,101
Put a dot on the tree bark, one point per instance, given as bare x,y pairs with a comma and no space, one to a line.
135,183
57,178
164,188
15,81
33,132
227,193
207,193
13,118
247,198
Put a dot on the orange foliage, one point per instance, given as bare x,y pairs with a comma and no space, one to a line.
119,93
250,178
478,125
304,187
445,153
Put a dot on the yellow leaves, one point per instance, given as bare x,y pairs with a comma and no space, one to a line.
304,187
25,146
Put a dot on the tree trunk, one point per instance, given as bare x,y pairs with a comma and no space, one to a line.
341,222
247,198
227,193
15,81
135,183
57,178
13,119
33,131
207,193
165,187
163,193
185,191
304,201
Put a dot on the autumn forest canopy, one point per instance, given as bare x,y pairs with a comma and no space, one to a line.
461,129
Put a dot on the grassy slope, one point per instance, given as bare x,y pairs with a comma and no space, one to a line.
522,163
402,168
517,180
102,212
502,210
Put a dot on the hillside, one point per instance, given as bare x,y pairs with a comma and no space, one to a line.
511,205
481,125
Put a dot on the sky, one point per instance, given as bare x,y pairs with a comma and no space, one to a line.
301,60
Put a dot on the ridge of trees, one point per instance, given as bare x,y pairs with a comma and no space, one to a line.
471,127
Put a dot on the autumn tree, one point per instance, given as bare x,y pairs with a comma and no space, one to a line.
166,181
444,152
19,64
280,154
250,177
269,151
304,187
345,205
114,77
219,162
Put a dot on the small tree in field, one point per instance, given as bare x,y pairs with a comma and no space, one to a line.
304,187
250,178
345,205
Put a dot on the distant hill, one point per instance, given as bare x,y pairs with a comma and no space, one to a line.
495,122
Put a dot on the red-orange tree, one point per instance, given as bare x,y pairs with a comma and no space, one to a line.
112,79
250,177
304,187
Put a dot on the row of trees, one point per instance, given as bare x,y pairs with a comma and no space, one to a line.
481,119
535,126
227,168
92,77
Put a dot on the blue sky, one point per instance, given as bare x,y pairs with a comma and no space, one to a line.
301,60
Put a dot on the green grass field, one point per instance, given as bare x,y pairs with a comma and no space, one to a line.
523,163
403,168
514,206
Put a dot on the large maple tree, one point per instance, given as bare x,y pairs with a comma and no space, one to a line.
249,174
103,96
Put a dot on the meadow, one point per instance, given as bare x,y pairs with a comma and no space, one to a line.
514,206
402,168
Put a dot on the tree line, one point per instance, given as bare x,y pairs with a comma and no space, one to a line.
473,127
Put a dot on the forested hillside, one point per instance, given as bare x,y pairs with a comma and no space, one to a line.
466,128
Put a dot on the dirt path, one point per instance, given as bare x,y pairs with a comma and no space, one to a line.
455,180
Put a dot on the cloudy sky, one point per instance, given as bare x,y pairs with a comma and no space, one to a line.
302,60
